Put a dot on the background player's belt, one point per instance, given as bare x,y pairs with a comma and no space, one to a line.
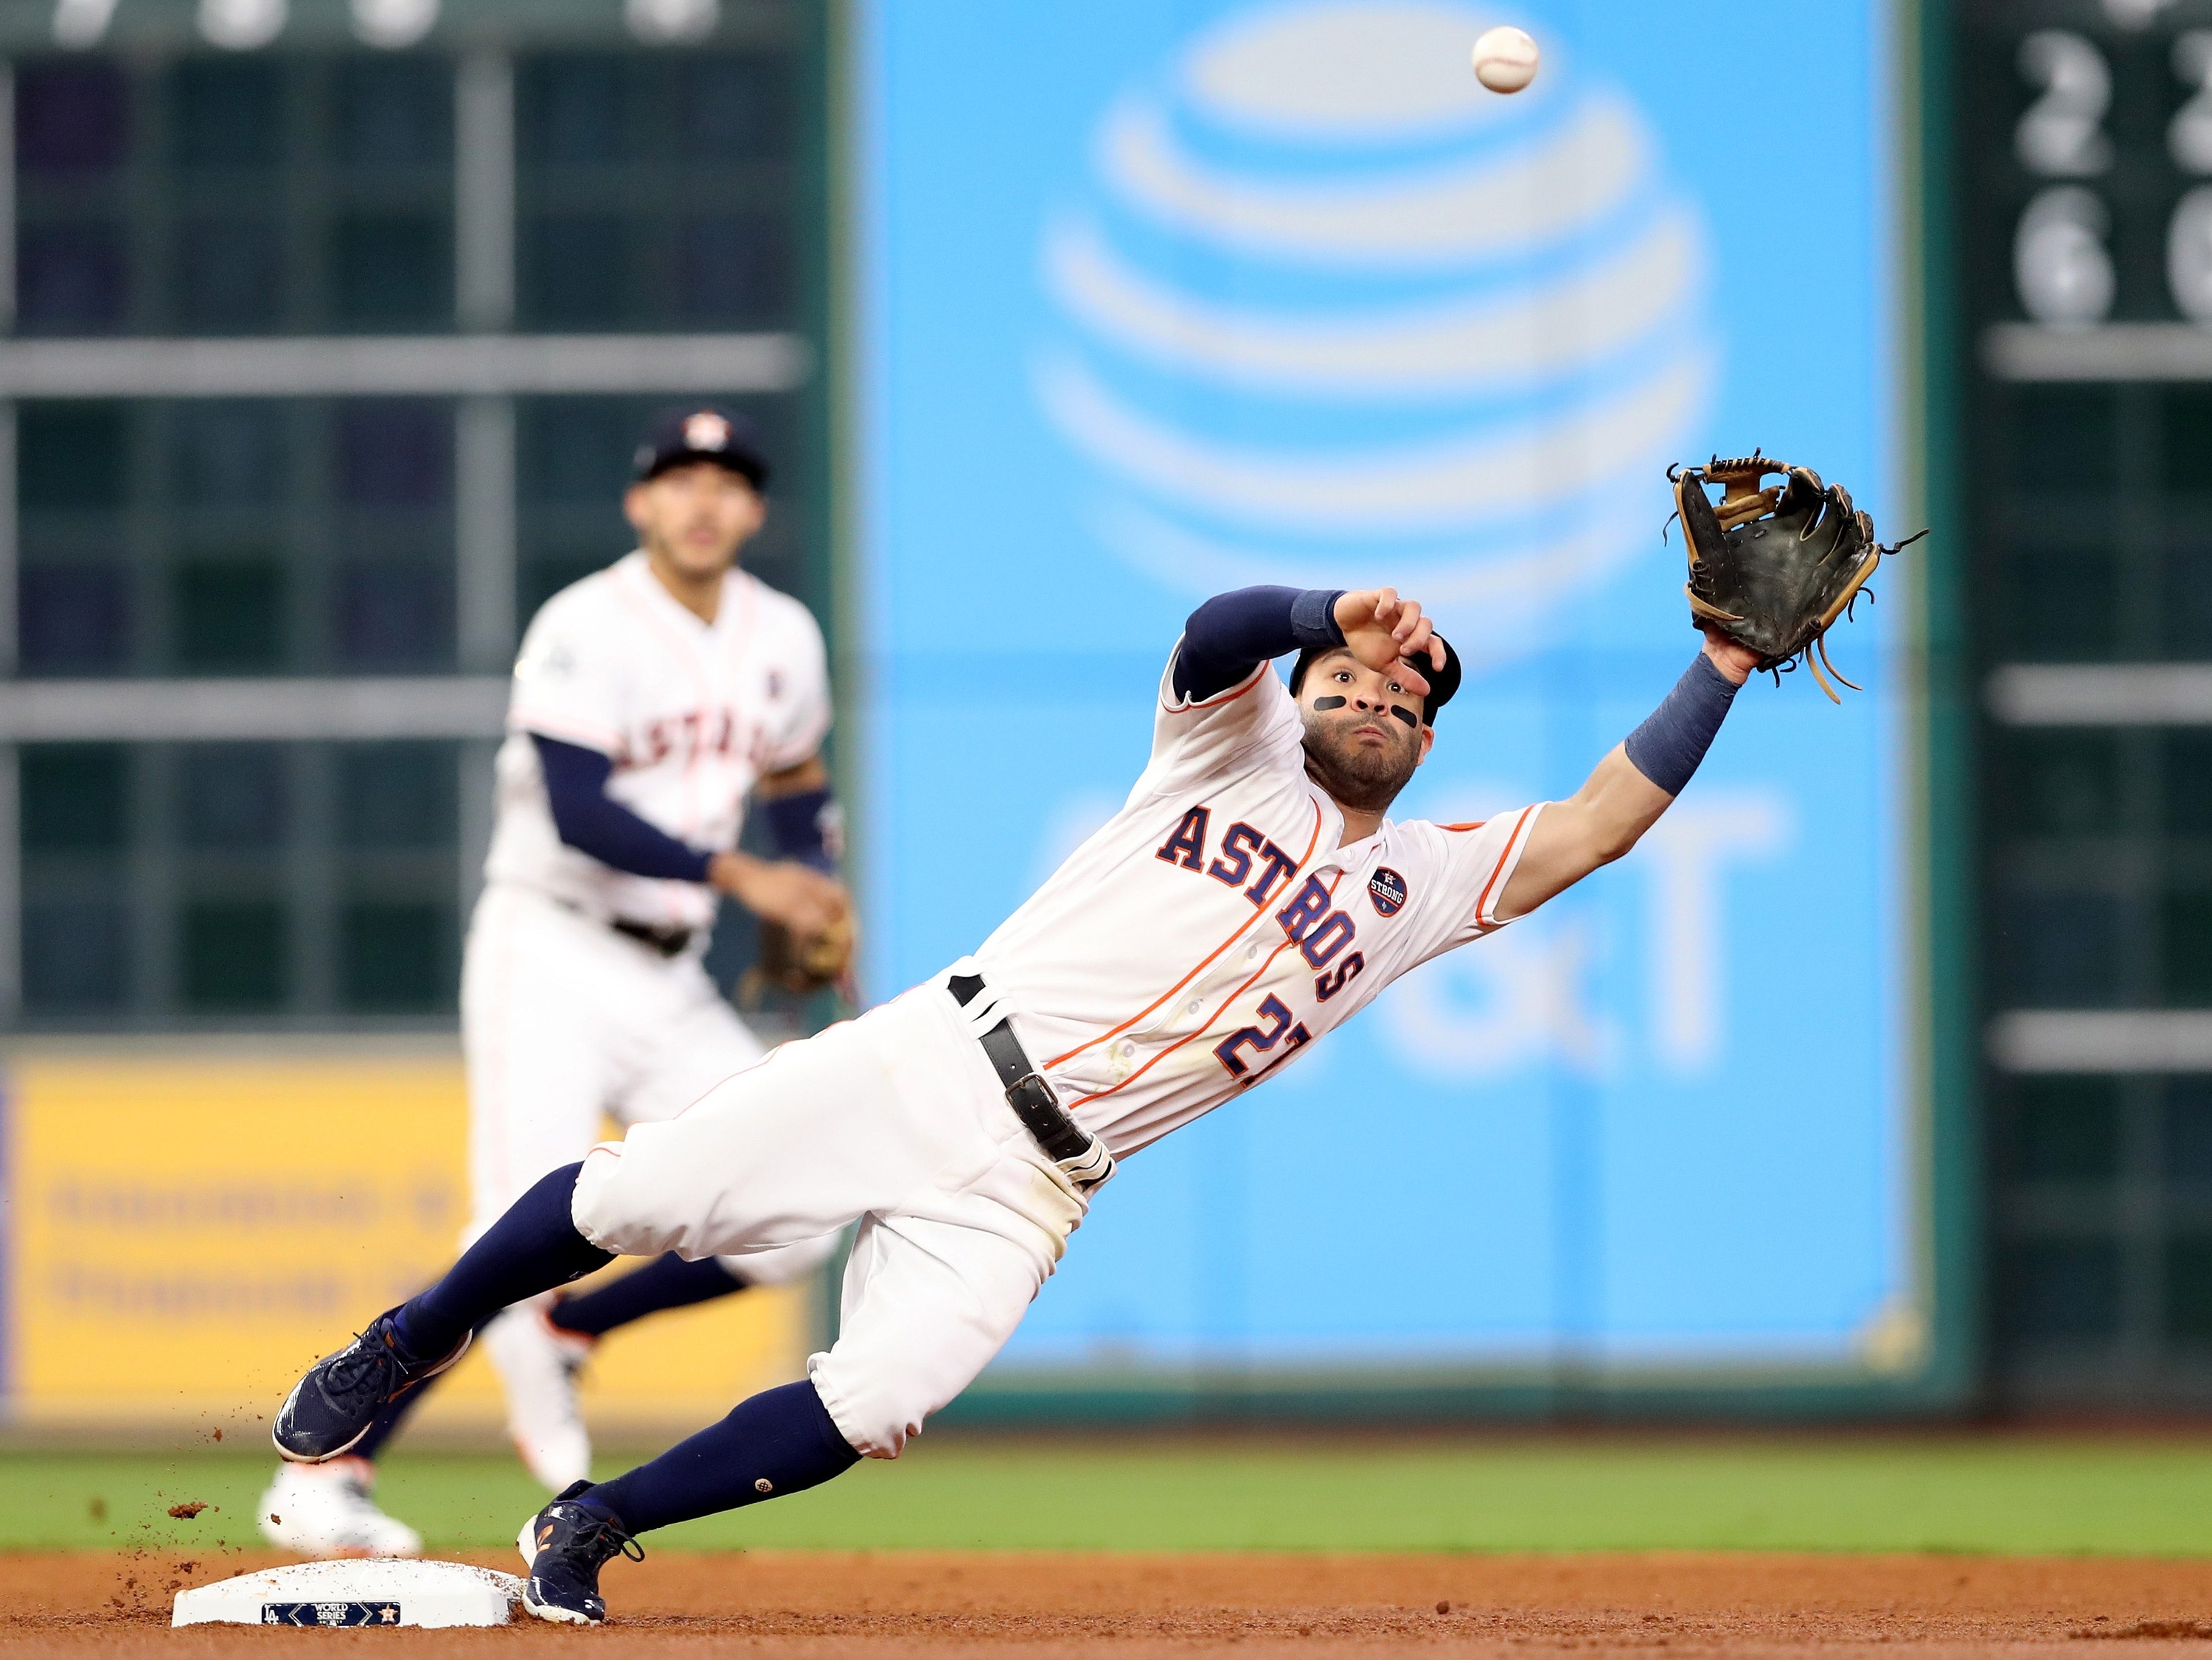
1027,1093
669,942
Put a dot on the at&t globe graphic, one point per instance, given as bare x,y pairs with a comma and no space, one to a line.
1330,313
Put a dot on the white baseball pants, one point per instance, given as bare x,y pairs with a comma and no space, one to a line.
895,1120
564,1021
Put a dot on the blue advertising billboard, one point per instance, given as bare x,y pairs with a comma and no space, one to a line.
1160,299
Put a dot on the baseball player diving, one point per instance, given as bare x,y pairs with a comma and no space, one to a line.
650,700
1251,895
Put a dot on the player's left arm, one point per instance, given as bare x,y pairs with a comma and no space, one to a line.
1637,781
804,819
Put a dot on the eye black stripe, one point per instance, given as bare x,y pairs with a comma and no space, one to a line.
1329,703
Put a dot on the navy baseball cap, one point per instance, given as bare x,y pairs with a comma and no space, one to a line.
700,431
1443,683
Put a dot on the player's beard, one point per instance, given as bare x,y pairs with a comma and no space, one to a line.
1359,776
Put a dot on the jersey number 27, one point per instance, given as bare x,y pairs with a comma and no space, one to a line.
1261,1039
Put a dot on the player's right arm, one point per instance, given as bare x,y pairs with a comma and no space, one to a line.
1228,638
1218,699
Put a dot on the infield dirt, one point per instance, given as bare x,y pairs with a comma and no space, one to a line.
858,1604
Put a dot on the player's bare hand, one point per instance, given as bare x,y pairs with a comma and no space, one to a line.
1733,659
1383,631
802,899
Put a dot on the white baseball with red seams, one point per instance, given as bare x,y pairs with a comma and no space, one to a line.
1206,935
1505,58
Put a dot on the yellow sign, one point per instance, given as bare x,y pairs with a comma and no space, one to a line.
187,1229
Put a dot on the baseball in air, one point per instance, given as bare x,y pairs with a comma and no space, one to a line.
1505,58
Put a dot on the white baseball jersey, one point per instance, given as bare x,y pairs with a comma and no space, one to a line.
692,713
1213,928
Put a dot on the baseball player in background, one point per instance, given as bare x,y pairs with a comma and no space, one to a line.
650,699
1250,896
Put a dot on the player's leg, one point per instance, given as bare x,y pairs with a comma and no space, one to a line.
822,1132
330,1510
545,1027
537,1063
670,1038
702,1042
927,1303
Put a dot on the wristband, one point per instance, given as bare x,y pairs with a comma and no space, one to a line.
1675,736
807,827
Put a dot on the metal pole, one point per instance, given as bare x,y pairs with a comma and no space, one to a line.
11,840
484,532
6,197
485,535
483,192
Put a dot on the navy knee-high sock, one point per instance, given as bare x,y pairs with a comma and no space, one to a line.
782,1441
667,1282
532,1248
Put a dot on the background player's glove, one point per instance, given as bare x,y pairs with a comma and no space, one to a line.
799,964
1773,568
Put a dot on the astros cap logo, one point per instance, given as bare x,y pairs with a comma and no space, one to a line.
706,431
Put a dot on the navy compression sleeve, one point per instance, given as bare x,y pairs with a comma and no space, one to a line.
1233,634
1675,736
804,826
592,822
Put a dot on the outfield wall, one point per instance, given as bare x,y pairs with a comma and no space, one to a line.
1160,300
187,1225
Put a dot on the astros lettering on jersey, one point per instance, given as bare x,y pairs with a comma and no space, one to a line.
1213,928
693,714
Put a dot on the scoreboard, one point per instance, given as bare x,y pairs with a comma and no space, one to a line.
2082,183
2086,168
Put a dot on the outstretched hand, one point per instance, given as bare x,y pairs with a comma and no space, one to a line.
1383,631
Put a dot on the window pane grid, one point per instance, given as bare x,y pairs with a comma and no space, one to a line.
319,885
241,536
222,196
198,883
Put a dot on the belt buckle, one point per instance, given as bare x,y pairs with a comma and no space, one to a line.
1044,1093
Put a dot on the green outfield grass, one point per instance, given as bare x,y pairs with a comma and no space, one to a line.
1873,1494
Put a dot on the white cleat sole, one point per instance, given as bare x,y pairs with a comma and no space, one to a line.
552,1615
528,1546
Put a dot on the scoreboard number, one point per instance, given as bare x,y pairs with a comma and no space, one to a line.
2062,258
2059,259
2062,134
2189,135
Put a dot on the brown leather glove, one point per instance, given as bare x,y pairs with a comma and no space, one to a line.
1773,569
799,967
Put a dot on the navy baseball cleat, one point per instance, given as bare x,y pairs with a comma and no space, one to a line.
332,1407
566,1545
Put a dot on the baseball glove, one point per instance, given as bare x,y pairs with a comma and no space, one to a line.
799,965
1773,568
